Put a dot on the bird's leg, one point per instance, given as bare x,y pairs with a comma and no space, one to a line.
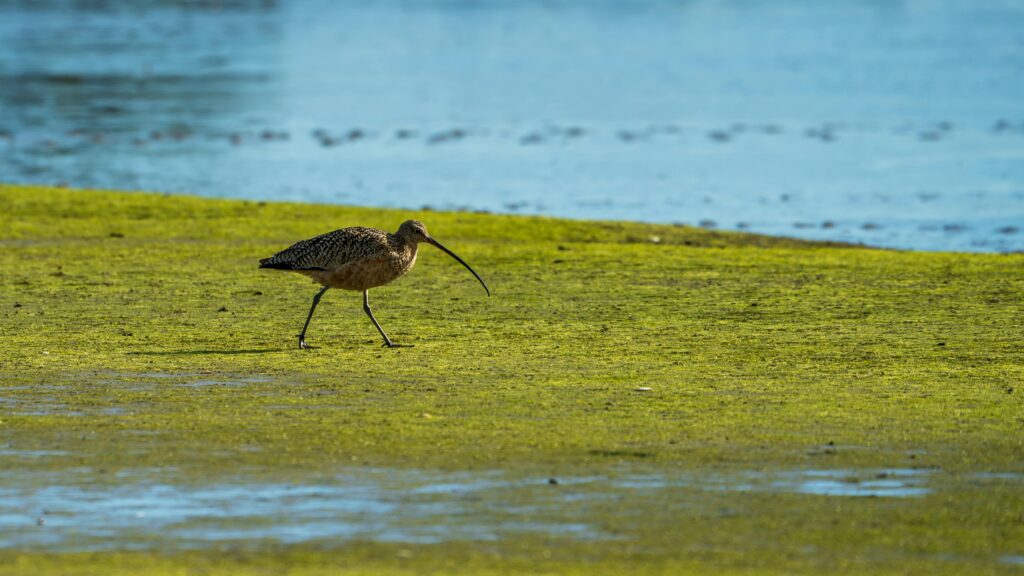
316,300
366,308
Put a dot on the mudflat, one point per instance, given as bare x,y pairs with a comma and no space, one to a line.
632,398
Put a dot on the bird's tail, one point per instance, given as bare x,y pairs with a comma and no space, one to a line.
276,263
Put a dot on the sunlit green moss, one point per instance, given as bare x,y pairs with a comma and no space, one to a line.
758,352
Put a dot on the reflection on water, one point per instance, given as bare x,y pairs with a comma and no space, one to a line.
890,123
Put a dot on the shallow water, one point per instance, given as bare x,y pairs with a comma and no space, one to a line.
890,123
82,511
365,504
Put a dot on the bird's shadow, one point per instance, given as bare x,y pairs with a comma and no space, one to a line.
207,351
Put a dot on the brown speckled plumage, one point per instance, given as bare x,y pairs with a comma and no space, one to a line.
356,258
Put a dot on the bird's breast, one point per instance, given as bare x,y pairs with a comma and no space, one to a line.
368,272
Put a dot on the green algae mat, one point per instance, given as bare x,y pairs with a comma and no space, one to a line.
632,398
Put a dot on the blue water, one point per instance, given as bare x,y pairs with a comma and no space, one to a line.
84,511
893,123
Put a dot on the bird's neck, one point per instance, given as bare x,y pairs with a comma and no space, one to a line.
405,247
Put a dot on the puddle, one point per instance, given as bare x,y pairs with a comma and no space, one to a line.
1012,559
379,505
80,512
36,400
196,379
223,382
147,381
44,409
157,375
12,453
35,406
894,483
31,405
1009,476
881,483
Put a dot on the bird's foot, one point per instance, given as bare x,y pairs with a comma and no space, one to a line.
390,344
304,346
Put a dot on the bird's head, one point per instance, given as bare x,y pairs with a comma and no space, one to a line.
413,231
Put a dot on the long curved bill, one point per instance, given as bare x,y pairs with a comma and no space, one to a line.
460,261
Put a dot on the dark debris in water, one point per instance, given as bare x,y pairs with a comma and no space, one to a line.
446,136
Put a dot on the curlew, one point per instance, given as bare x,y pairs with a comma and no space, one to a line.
357,258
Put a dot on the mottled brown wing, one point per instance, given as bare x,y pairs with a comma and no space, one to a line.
330,251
